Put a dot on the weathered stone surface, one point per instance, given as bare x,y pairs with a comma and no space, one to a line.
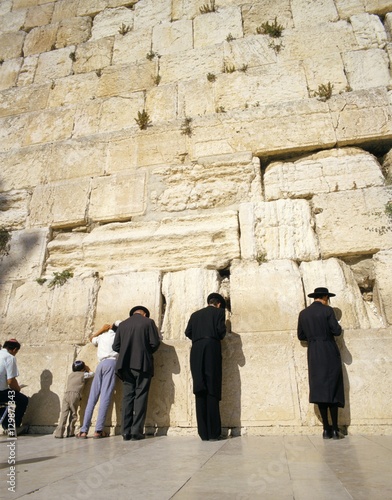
9,72
382,262
53,65
207,28
16,101
173,244
11,45
12,132
121,155
48,126
74,89
338,278
305,13
160,148
183,298
360,224
257,301
250,52
60,204
327,171
92,7
162,103
152,12
367,68
172,37
121,80
109,21
131,47
65,9
221,183
254,15
117,197
26,256
92,56
73,31
40,15
41,39
86,121
118,293
282,229
27,72
14,209
320,71
118,113
23,169
11,21
369,31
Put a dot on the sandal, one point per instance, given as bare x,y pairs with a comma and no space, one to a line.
81,435
100,434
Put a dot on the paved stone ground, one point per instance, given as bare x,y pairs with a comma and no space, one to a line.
186,468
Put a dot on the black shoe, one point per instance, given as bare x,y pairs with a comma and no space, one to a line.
337,435
137,437
327,434
126,437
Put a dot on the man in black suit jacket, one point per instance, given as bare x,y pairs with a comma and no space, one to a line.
136,340
206,328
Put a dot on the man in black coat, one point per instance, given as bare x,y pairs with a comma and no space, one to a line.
206,328
318,325
136,340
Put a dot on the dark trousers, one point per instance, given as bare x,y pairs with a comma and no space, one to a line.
135,397
208,416
21,401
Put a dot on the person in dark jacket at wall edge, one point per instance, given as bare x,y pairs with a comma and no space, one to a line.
136,340
206,328
318,326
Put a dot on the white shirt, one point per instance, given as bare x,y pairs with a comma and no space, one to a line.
104,343
8,368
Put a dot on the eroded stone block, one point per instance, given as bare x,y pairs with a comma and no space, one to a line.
383,261
17,101
39,15
172,37
305,13
49,126
41,39
214,27
109,21
133,46
369,31
14,209
9,72
53,65
73,31
92,56
366,69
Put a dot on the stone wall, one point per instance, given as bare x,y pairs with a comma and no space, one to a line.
261,170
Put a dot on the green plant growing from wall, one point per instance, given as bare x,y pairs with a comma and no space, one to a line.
220,109
276,47
143,119
229,38
98,72
72,56
244,68
5,238
150,55
261,257
211,77
157,80
186,128
274,30
324,92
228,68
123,29
41,281
1,61
207,8
388,210
60,278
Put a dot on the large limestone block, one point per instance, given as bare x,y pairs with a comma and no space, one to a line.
109,21
196,97
151,12
24,168
39,15
214,27
361,115
60,204
72,310
26,257
258,302
269,396
5,7
250,52
307,13
14,209
367,68
121,155
219,183
327,171
353,222
73,31
9,72
170,395
49,126
172,37
198,63
92,7
44,369
41,39
269,84
11,21
369,31
17,101
11,45
132,47
162,103
348,8
117,197
210,241
282,229
185,292
27,72
12,130
383,261
160,146
258,13
320,71
118,293
339,279
122,80
118,113
93,56
5,294
65,9
75,89
86,122
53,65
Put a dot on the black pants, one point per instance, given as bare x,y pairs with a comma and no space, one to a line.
21,401
208,416
135,397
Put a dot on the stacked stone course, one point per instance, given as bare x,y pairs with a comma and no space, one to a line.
248,179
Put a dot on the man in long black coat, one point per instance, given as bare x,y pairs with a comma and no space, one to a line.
136,340
206,328
318,325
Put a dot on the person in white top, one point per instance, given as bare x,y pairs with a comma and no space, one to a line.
103,382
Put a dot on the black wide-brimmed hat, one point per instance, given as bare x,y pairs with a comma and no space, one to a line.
218,297
321,292
139,308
